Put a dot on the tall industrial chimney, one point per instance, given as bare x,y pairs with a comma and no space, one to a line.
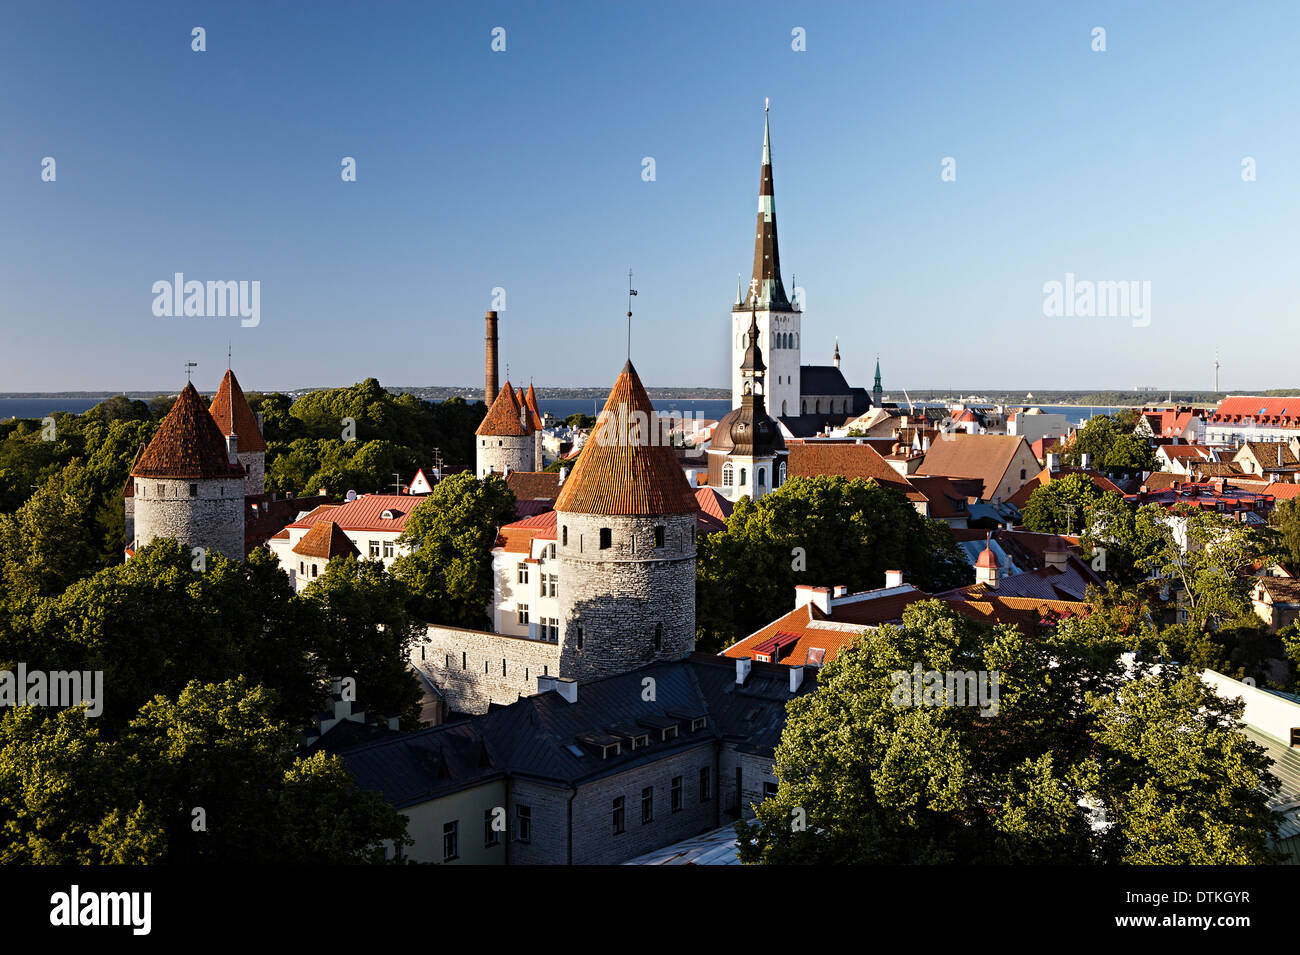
490,382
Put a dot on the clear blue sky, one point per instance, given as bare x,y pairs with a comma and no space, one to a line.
522,170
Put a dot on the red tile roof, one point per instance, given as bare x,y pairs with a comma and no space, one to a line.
326,539
983,456
714,504
502,420
620,476
534,485
233,416
1023,612
1281,491
188,445
530,399
1246,409
848,460
366,512
517,538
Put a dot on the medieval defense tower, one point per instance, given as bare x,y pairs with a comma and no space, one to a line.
188,483
626,525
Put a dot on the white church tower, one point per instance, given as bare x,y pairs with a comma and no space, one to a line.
765,300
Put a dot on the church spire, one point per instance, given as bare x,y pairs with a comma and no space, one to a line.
765,288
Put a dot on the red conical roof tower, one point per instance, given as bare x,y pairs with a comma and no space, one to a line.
233,416
188,445
624,469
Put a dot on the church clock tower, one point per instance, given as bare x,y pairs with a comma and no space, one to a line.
766,304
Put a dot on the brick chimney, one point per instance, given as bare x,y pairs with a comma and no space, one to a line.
490,379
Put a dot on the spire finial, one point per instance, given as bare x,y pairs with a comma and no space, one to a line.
230,346
188,366
630,292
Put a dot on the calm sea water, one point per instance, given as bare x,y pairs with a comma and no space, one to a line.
559,407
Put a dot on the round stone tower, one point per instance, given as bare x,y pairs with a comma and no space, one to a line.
626,526
505,437
189,484
232,414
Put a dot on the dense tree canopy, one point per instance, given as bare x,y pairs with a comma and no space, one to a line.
209,776
1110,444
449,569
1076,765
822,531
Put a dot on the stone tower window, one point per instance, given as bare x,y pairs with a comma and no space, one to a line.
194,490
659,537
564,536
579,638
606,538
162,490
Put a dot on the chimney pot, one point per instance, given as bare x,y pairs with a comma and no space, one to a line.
893,578
796,678
743,667
567,687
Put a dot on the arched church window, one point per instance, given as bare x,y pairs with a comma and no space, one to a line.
780,474
743,476
783,412
727,475
760,477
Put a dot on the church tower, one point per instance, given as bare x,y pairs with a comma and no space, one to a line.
233,416
626,525
877,393
747,454
777,318
189,484
505,437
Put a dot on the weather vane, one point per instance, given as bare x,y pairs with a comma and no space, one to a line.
188,366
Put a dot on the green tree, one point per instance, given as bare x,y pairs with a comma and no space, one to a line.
871,776
448,572
217,766
366,633
1286,520
824,530
1061,506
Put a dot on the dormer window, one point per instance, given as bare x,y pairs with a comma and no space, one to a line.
639,742
387,515
698,723
668,732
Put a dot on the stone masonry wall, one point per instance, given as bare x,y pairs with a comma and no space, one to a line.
612,600
466,666
213,519
255,479
594,840
497,453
